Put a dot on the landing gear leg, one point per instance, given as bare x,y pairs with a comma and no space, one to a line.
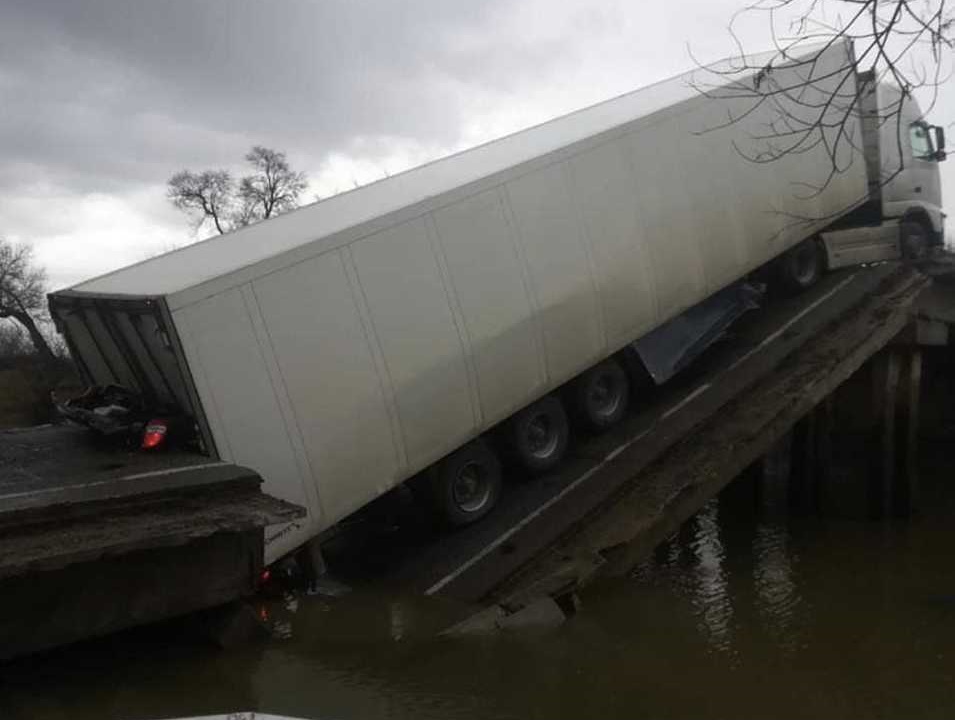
318,581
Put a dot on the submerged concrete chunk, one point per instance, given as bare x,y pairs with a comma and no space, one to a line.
542,613
480,623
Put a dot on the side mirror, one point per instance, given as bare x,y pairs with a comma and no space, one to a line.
939,138
940,155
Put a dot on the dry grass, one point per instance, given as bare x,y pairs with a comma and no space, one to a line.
25,392
19,399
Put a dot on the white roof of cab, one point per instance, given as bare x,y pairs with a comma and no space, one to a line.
220,255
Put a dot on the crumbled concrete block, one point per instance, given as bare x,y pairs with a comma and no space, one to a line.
480,623
542,613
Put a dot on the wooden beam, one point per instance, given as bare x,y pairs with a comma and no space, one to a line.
822,470
905,487
803,463
885,382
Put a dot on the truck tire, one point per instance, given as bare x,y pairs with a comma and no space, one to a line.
600,396
914,239
538,435
466,485
800,267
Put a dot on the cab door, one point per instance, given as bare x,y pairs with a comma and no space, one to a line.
924,175
909,160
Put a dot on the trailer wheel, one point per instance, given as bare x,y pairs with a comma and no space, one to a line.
800,267
538,434
600,396
466,485
914,239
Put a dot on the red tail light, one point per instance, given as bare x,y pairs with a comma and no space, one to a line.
154,434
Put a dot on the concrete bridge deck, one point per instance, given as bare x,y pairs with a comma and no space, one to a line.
94,540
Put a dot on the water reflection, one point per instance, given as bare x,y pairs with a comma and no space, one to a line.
734,566
708,581
776,591
398,621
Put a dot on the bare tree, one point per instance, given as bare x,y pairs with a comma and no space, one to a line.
23,292
207,194
14,342
213,197
907,43
274,188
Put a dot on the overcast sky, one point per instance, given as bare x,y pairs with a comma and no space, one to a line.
102,100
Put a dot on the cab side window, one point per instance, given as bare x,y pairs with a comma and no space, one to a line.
921,142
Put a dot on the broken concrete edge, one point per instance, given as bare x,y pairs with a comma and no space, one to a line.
542,614
52,505
89,540
579,564
539,612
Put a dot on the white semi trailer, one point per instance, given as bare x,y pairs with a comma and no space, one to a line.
420,327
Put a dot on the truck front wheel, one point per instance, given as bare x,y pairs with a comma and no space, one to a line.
914,239
466,485
800,267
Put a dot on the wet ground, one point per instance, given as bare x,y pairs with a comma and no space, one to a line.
747,613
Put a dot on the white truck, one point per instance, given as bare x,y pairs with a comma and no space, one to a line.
424,326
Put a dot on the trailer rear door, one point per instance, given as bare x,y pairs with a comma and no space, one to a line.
128,342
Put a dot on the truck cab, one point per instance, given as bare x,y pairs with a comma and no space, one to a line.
910,152
902,212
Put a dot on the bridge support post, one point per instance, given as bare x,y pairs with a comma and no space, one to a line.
885,383
803,460
811,464
905,488
823,474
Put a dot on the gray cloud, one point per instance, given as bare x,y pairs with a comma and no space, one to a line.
102,100
119,91
101,94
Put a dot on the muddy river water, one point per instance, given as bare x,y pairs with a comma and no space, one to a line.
744,614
